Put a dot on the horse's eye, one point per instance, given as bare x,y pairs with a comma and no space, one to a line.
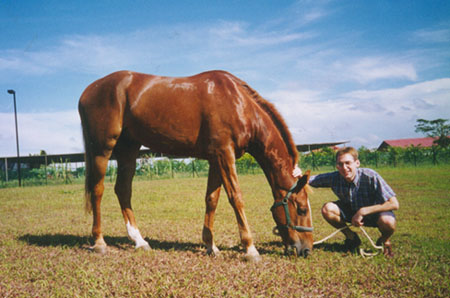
301,211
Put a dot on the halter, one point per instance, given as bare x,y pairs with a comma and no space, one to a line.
284,203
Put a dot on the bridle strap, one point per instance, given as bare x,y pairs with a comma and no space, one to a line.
284,203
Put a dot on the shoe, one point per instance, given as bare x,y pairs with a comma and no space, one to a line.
387,248
352,244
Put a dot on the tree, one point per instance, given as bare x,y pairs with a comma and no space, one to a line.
438,128
246,163
394,155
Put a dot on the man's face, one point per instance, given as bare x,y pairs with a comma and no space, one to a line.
347,165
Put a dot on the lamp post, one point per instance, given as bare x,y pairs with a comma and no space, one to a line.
10,91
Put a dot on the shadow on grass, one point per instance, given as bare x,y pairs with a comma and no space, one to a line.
332,247
269,247
123,243
64,240
55,240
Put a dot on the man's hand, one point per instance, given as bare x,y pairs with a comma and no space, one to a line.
297,172
357,219
389,205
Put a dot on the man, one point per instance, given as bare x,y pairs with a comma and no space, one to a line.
364,199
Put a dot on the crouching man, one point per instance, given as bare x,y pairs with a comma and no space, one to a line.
364,199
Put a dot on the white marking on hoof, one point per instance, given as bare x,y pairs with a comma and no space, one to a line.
144,247
213,250
135,235
252,254
100,249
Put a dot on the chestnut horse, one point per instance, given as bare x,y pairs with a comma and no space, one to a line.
213,116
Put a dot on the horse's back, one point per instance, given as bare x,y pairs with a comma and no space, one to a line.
173,114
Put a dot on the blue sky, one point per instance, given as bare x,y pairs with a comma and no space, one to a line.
359,71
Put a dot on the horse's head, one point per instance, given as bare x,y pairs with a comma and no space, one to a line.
293,218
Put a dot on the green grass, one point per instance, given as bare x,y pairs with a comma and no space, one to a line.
45,236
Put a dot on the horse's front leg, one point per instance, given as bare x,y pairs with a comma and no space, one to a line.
212,198
231,185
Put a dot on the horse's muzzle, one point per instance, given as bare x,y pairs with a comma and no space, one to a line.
298,250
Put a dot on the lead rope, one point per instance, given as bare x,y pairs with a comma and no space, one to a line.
363,253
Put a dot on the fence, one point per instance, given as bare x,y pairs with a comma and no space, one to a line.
151,166
393,157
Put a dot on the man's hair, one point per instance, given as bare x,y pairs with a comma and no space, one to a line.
344,150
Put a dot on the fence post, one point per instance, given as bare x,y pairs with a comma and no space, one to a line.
376,159
6,168
46,180
434,151
194,171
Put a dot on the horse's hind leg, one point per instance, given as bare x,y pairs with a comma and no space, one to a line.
126,153
99,166
212,197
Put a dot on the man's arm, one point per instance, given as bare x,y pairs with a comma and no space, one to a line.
321,180
389,205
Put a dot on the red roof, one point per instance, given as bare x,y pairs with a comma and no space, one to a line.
422,142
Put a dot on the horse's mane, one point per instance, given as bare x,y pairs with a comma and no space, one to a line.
279,122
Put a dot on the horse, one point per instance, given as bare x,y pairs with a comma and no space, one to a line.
213,116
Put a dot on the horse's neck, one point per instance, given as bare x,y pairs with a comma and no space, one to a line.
272,155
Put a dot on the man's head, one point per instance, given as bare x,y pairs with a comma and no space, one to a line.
347,162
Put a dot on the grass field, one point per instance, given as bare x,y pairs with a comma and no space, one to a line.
45,236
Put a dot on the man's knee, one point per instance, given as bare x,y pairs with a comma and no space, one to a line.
330,209
387,222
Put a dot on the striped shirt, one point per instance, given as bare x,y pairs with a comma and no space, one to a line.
367,189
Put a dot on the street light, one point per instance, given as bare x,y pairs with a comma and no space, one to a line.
10,91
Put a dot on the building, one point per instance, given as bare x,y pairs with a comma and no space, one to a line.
316,146
404,143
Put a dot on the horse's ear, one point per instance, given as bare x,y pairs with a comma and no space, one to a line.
302,181
308,173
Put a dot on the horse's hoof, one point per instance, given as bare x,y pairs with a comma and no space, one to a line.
252,255
252,258
213,251
100,249
144,247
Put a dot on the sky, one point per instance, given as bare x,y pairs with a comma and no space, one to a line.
357,71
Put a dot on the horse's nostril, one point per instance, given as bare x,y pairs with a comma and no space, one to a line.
297,250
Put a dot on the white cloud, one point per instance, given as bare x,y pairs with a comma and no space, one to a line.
432,35
20,62
58,132
305,11
430,92
362,117
375,68
88,54
185,46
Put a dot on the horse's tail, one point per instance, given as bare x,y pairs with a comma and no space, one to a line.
88,159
